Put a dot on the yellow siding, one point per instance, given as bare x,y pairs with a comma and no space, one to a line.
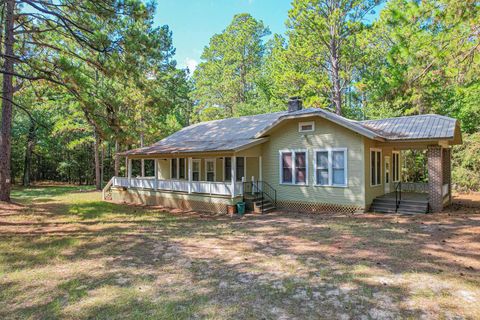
254,151
164,169
252,168
326,135
371,192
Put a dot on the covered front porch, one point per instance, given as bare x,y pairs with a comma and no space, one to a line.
419,197
207,174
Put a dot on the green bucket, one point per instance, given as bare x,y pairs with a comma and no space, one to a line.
241,208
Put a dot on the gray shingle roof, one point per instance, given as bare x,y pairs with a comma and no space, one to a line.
217,135
236,133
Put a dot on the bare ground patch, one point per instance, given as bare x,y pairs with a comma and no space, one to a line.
73,256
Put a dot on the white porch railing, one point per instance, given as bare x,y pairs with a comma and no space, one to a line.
205,187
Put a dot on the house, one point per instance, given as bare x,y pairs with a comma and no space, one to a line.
301,159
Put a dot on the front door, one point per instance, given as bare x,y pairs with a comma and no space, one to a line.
387,174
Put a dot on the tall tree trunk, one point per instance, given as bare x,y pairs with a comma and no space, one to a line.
28,154
117,160
96,146
7,103
142,161
102,166
337,90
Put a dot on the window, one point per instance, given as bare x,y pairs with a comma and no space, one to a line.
240,168
210,169
293,167
306,126
322,171
338,168
177,168
174,169
136,168
300,168
331,167
196,170
396,166
181,168
287,167
227,168
376,167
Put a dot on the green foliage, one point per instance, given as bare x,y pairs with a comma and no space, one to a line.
132,89
226,82
466,163
420,57
417,57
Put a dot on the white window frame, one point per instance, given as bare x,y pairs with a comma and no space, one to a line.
396,153
294,176
306,123
214,169
244,168
199,161
381,166
178,169
330,167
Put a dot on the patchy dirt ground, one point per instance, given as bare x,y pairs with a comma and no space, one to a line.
66,254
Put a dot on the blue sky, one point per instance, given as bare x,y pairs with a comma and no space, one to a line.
193,22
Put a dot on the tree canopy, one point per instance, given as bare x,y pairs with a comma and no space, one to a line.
83,80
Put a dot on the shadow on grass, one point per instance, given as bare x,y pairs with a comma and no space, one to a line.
273,266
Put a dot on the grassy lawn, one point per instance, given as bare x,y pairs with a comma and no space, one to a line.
66,254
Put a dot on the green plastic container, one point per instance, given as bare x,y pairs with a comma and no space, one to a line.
241,208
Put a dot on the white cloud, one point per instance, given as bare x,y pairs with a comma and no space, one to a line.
191,64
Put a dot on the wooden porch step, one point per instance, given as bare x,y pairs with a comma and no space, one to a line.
383,205
259,207
265,209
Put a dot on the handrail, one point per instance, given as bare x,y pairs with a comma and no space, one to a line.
398,195
107,186
273,197
263,188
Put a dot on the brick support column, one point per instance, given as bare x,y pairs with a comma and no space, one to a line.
435,178
447,172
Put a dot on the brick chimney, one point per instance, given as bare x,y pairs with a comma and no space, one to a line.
294,104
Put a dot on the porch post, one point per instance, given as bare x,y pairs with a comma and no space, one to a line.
190,174
233,174
126,167
253,185
260,169
155,166
143,168
245,167
435,177
129,170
